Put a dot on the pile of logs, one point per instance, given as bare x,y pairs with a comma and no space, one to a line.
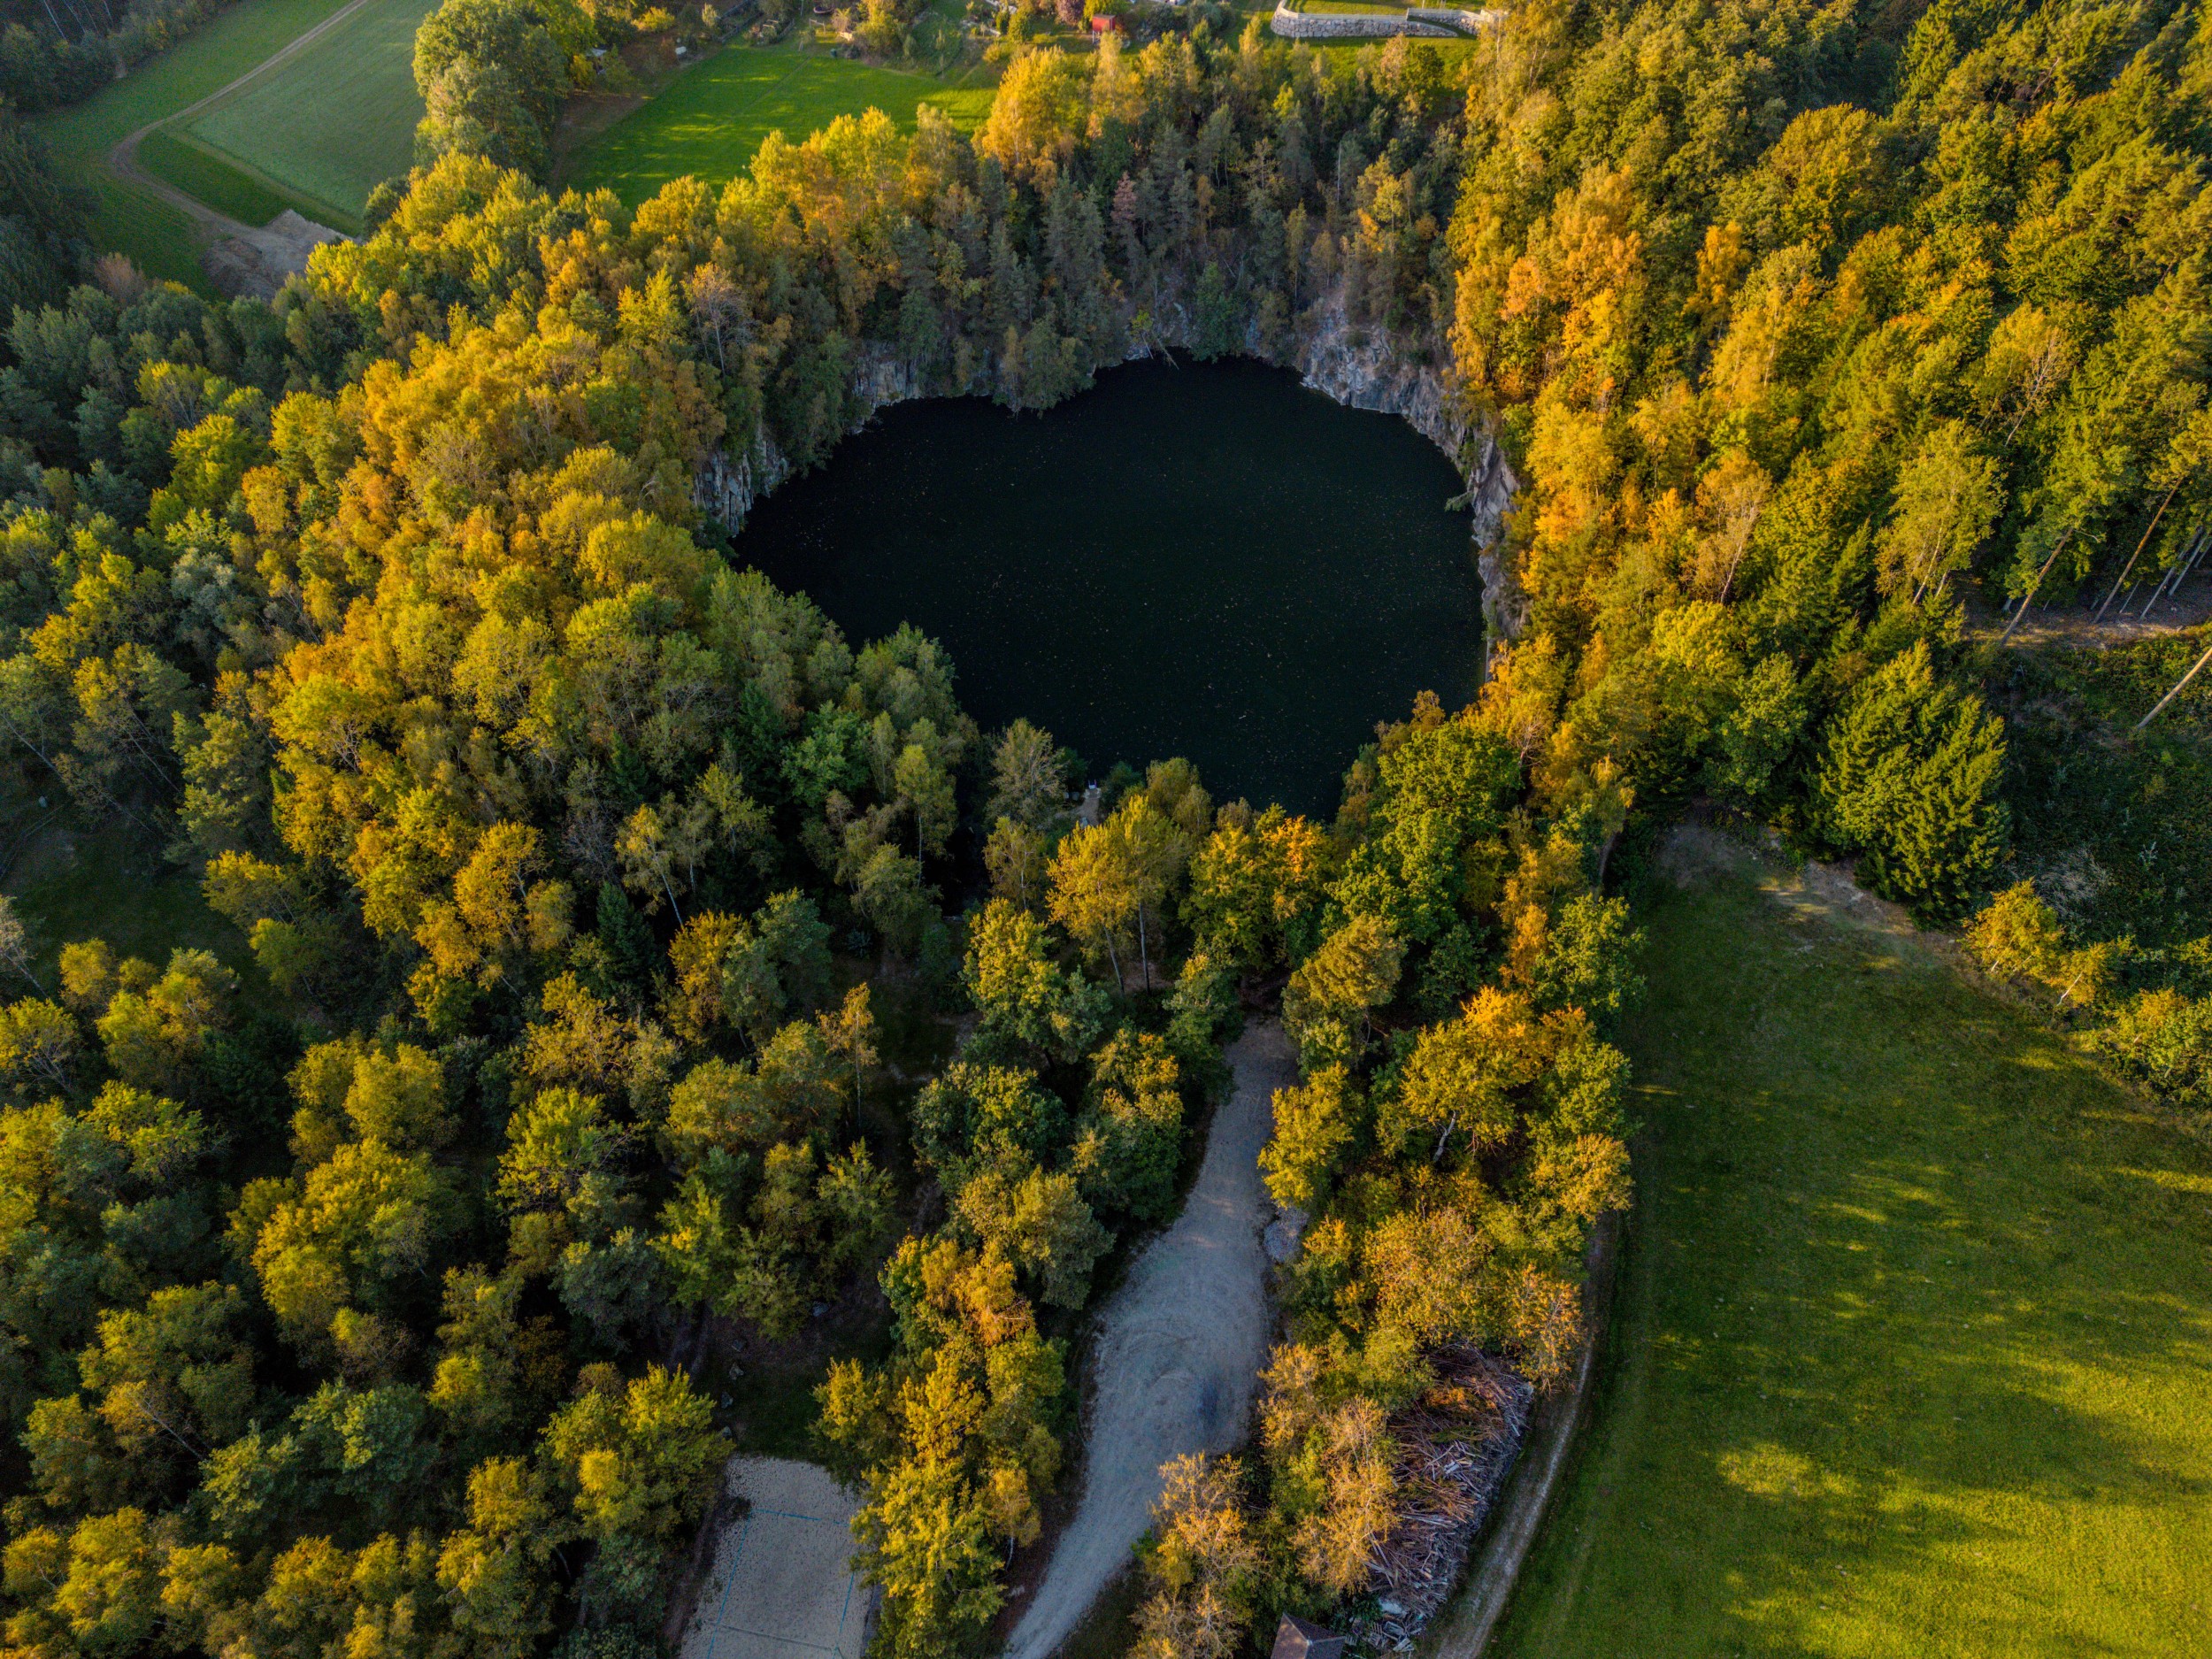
1454,1448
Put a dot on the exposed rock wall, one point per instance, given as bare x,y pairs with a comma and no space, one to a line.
728,487
1490,487
1357,366
1348,26
1362,368
883,379
1470,21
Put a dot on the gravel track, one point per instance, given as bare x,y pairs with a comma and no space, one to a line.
1178,1349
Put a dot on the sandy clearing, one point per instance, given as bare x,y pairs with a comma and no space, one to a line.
1179,1347
783,1583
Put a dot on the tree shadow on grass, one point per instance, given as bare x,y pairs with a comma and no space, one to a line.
1913,1352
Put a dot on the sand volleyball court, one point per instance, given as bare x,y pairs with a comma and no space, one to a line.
783,1586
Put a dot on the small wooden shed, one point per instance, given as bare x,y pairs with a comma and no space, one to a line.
1295,1638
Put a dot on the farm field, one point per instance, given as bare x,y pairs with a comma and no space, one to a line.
327,126
129,218
1912,1353
712,118
209,179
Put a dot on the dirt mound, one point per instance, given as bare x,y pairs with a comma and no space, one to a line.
256,262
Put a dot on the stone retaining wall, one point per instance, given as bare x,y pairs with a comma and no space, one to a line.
1472,22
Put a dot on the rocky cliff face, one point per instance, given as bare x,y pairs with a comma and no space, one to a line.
1357,366
728,486
1490,487
1362,368
883,379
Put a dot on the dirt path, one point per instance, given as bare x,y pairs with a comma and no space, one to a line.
274,250
2077,625
1180,1347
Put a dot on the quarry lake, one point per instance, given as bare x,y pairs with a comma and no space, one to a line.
1206,560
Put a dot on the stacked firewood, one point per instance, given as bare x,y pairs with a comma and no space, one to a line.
1454,1448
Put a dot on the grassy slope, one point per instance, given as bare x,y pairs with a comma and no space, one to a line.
129,218
283,125
713,117
1913,1353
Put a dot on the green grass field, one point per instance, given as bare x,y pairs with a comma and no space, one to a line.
1912,1354
210,179
330,125
711,119
940,34
129,218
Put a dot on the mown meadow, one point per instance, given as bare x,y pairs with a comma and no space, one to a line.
320,131
712,118
129,218
330,125
1912,1351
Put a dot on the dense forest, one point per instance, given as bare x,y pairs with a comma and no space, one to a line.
56,51
355,1293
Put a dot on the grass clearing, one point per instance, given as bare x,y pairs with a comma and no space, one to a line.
210,179
2113,825
330,126
712,117
76,884
127,218
940,35
1912,1353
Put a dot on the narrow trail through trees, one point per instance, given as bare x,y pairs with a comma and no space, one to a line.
1179,1348
2080,626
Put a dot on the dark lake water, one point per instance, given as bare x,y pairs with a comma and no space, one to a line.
1207,561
